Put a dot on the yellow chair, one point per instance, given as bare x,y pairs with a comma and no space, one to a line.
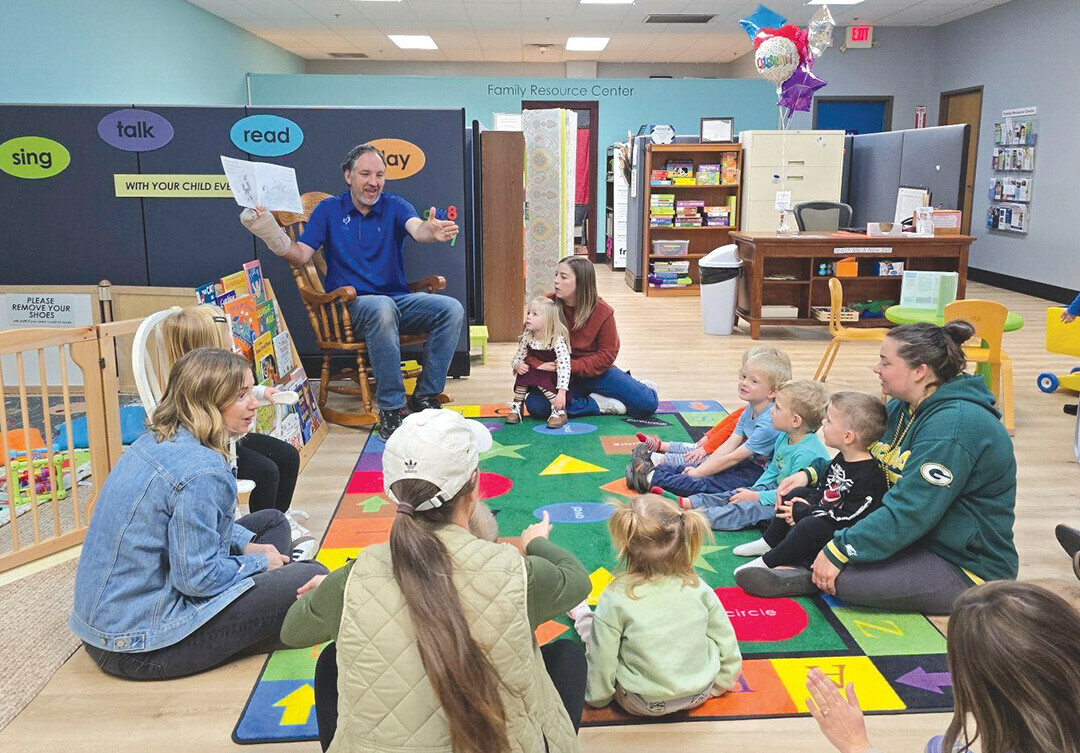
840,333
988,318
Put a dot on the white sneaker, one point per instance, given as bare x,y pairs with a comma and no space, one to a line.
304,549
751,549
298,531
752,563
609,405
651,385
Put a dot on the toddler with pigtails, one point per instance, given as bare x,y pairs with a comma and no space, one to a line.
660,641
546,339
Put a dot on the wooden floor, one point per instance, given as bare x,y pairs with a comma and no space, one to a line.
82,709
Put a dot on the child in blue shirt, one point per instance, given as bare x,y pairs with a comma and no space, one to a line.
741,459
796,416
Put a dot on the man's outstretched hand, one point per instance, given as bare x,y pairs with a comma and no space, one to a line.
435,229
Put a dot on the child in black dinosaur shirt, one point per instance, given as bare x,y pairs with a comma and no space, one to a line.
836,494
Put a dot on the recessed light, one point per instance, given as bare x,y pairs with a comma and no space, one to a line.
586,44
413,42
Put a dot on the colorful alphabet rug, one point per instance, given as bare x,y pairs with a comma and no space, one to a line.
897,661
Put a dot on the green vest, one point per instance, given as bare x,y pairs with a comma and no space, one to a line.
385,701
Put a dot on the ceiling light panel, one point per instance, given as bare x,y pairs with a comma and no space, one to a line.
413,42
586,44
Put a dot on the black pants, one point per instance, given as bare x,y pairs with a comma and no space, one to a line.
564,661
273,465
249,625
797,546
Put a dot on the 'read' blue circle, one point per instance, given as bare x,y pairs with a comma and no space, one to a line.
573,427
575,512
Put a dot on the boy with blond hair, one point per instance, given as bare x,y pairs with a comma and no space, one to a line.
740,460
831,494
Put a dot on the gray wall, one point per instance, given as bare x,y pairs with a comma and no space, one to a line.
1023,53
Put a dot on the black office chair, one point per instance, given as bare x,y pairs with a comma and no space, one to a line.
822,215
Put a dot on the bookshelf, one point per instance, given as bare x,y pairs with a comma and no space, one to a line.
698,240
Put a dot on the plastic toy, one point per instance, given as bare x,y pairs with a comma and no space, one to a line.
43,475
1063,339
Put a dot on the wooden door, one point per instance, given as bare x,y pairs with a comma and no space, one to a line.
502,157
965,106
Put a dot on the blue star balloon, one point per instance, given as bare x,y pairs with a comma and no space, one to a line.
762,18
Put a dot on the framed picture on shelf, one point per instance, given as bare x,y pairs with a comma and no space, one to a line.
717,130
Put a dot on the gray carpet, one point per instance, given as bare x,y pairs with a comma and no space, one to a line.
33,620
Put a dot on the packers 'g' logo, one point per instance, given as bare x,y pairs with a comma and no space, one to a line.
936,474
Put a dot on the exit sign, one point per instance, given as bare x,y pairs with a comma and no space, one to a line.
860,37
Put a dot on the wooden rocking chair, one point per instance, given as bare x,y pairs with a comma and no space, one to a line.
329,315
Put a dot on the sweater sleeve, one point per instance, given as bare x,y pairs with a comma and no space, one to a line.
1074,307
519,355
805,453
772,471
607,348
557,581
603,653
935,474
316,616
721,633
562,364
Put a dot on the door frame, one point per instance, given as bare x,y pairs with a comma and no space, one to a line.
970,152
886,98
593,106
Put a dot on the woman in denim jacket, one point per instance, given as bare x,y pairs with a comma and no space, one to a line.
168,583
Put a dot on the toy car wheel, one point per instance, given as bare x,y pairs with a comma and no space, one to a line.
1074,369
1047,382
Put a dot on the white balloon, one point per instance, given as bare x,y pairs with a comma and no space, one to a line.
776,59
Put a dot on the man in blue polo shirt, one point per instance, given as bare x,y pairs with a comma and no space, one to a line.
363,232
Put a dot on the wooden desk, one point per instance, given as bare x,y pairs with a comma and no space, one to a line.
798,256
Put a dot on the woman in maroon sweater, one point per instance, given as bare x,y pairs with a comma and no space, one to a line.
596,385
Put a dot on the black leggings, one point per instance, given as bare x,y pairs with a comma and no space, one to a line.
273,465
564,661
798,546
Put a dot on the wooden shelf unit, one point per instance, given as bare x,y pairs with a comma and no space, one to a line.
702,239
800,254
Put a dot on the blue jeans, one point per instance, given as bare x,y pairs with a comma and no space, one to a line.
672,479
732,516
380,320
640,401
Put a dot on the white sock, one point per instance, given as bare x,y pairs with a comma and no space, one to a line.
751,549
752,563
648,477
657,458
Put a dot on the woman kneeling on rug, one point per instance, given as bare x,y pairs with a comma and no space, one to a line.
434,631
168,583
596,384
946,522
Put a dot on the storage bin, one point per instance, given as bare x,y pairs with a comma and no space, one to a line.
847,267
670,247
821,313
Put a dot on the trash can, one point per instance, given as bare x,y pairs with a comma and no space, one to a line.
720,270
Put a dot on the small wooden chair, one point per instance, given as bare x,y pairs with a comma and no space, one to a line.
988,318
329,315
840,333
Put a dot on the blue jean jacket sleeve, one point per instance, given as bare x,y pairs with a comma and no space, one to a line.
241,537
200,537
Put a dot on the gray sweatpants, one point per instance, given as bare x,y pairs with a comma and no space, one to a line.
914,580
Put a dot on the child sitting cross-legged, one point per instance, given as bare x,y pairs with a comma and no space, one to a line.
660,640
831,495
798,412
740,460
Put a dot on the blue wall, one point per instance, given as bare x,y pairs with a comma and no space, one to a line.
124,51
624,104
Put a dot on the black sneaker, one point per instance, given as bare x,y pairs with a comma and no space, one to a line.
1069,538
637,474
389,421
418,403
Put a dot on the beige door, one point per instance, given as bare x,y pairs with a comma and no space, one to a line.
965,107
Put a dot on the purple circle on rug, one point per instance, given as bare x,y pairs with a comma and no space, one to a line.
574,427
575,512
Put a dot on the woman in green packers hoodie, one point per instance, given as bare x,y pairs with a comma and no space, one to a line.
946,522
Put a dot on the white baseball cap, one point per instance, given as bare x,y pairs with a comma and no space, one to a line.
435,445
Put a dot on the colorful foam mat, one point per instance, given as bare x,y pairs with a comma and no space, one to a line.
896,660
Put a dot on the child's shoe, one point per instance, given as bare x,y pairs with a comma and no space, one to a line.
771,582
637,474
514,417
556,419
751,549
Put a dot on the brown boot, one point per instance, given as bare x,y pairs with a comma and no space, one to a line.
556,419
514,417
